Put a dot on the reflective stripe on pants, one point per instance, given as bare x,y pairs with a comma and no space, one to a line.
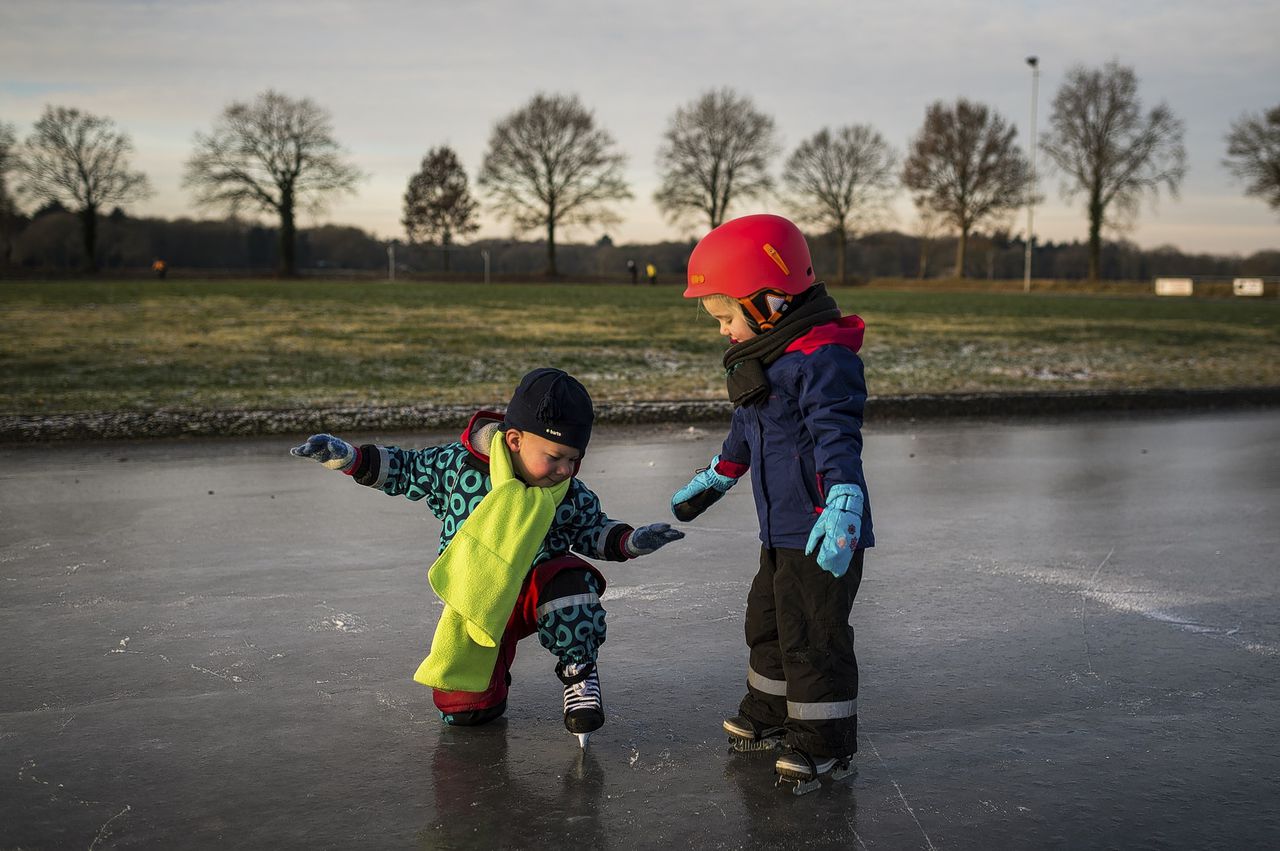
822,711
760,682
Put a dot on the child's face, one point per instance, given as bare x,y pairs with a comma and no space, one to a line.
733,322
540,463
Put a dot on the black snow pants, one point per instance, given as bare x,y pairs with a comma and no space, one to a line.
803,673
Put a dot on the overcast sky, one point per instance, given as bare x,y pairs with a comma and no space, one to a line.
401,77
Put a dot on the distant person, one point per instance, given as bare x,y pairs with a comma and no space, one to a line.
512,509
632,271
160,268
652,271
797,387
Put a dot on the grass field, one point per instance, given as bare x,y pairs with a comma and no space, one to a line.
96,346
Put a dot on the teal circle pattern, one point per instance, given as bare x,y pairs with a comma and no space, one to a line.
574,634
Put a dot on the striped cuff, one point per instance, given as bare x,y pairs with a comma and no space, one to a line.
610,540
372,465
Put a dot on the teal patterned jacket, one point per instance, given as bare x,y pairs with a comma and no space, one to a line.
452,479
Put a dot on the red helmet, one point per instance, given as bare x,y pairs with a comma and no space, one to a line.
746,255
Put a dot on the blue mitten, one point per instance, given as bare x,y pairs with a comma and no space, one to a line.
649,538
333,452
838,528
705,488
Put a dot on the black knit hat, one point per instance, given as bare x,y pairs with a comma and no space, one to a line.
552,403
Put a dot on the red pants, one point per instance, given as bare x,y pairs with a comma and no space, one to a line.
523,622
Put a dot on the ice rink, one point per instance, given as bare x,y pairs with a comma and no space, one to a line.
1068,635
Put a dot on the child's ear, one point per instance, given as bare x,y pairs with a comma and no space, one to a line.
512,439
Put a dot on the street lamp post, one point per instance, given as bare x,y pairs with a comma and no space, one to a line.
1034,62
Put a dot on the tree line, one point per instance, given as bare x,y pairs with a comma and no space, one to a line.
50,241
550,166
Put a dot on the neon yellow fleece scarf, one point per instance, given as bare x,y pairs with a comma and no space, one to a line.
480,572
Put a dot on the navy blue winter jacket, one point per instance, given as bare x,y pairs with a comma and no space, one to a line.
807,436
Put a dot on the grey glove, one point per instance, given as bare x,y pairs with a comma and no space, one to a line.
650,538
333,452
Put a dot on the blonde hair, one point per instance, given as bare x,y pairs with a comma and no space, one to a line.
727,302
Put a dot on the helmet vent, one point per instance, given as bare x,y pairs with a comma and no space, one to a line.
776,258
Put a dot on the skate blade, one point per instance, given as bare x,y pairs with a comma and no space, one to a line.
753,746
799,787
583,738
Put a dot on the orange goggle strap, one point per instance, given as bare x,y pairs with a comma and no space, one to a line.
765,308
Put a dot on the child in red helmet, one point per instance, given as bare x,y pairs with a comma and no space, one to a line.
797,386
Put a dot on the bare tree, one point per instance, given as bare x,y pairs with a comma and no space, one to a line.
1106,148
716,149
1253,154
81,161
275,154
438,205
929,224
549,165
841,180
8,207
965,165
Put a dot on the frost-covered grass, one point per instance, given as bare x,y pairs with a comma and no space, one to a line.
75,346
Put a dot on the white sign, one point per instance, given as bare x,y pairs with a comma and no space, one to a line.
1247,286
1173,286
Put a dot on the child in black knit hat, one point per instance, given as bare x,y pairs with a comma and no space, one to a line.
514,475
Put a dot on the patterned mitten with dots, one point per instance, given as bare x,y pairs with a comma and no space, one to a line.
333,452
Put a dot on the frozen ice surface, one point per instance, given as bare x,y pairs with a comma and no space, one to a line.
1067,639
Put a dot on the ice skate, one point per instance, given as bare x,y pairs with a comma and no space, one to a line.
803,771
583,708
746,735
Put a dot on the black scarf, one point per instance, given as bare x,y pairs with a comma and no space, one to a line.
745,362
